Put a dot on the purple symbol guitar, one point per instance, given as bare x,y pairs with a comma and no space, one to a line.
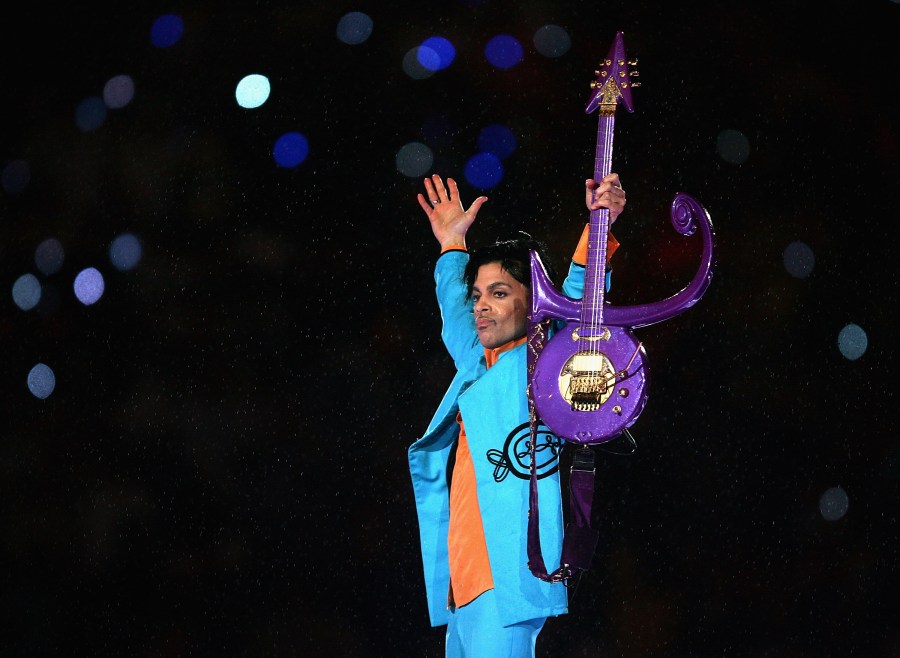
588,382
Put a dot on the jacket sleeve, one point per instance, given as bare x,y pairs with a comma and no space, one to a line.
573,286
457,326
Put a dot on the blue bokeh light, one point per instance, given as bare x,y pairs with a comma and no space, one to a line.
291,149
166,31
484,170
504,51
436,53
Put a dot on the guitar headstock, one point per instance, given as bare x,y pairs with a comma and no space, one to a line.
613,81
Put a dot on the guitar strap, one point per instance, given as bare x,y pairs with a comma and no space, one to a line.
579,540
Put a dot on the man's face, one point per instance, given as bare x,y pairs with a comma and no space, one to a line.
501,306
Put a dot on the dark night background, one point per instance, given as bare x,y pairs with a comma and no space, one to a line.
221,468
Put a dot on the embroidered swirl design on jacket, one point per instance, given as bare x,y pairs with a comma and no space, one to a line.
515,457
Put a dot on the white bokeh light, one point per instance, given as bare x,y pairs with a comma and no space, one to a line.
252,91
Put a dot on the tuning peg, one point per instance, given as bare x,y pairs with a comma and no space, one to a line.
632,62
634,74
635,84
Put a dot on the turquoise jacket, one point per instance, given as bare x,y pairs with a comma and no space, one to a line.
495,410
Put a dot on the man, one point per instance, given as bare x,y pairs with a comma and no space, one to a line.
471,495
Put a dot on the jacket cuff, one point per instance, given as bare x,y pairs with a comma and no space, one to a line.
581,251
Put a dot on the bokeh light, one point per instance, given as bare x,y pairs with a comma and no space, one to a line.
436,53
125,252
733,146
49,256
414,159
89,286
552,41
252,91
799,259
354,28
290,149
484,170
90,114
26,292
166,31
118,92
833,504
41,381
853,341
414,68
504,51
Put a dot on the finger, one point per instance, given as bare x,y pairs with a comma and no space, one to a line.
439,188
432,194
454,189
605,200
425,205
476,205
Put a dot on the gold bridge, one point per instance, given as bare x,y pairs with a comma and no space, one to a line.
587,380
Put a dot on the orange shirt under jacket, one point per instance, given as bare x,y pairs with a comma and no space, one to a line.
470,567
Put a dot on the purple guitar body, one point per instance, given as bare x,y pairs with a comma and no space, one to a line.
589,380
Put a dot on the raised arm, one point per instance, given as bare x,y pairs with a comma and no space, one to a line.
449,220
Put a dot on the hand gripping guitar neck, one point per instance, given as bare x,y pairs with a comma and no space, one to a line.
588,381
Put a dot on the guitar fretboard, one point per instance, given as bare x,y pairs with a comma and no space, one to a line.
595,273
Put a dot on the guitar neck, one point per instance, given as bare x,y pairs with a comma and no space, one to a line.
595,272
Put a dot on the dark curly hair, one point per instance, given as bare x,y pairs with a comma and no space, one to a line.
513,255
